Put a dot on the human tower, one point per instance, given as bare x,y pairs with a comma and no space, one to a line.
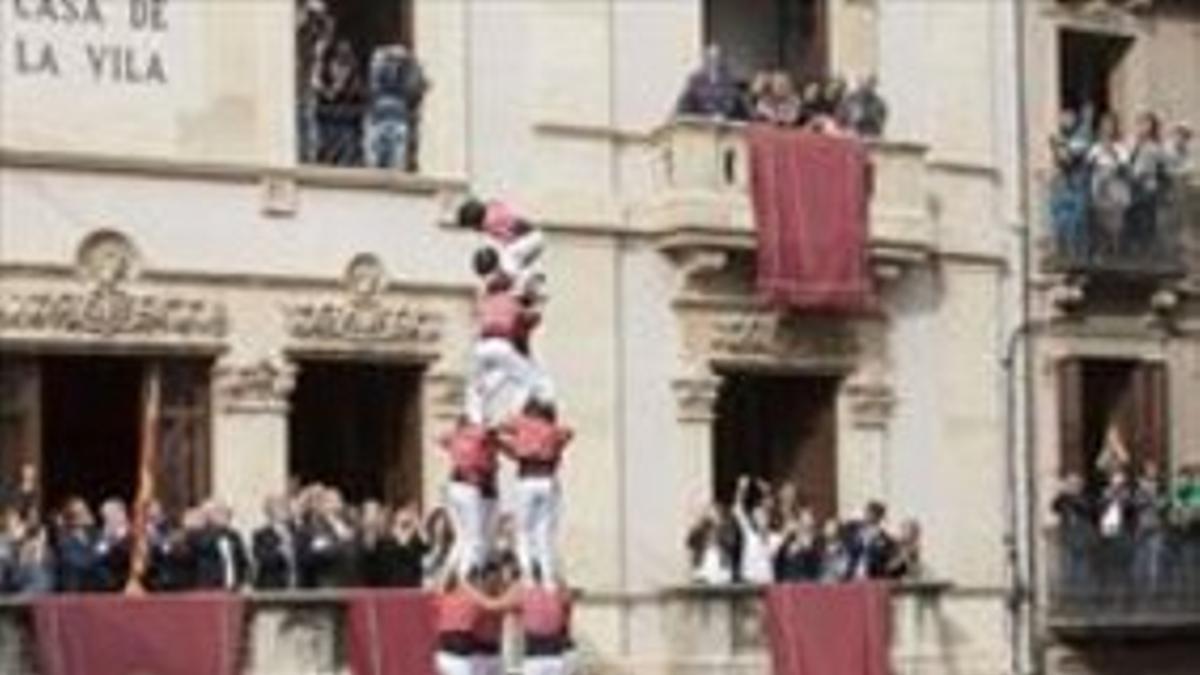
510,406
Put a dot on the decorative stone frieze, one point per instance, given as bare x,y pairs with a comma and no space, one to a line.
870,400
696,398
104,307
362,315
445,394
259,386
758,335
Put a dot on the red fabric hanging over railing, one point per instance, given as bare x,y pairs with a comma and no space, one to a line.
193,634
809,193
835,629
390,633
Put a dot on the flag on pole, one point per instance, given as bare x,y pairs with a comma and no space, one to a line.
146,488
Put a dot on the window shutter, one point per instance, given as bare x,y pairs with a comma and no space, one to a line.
1072,453
1150,415
184,428
20,416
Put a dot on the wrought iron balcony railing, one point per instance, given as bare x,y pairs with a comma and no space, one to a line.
1127,583
1153,238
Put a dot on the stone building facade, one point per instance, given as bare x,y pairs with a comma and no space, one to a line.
155,219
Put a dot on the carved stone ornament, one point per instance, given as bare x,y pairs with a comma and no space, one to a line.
107,263
363,316
263,385
696,398
445,394
870,400
779,337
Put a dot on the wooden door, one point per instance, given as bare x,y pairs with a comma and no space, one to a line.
183,472
20,418
1072,439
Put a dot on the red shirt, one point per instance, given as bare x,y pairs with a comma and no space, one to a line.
471,453
545,613
531,438
489,627
503,315
457,612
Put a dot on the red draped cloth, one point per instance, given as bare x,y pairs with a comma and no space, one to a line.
193,634
810,193
839,629
390,633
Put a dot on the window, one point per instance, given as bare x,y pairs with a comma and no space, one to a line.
79,420
756,35
1090,70
359,87
779,428
1101,398
356,426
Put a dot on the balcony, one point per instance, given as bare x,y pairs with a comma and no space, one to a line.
1145,246
701,197
1125,585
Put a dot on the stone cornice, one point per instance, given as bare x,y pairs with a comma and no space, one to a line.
159,169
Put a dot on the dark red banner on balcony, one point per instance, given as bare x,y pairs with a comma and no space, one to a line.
839,629
390,633
196,634
809,193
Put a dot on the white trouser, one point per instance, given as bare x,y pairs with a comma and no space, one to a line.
472,514
502,381
488,665
538,510
544,665
453,664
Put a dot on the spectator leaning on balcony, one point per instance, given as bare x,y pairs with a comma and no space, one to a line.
1148,505
799,557
868,543
1069,147
221,559
775,99
712,91
1075,516
274,548
397,85
759,541
712,543
1149,164
314,36
1111,189
340,102
863,110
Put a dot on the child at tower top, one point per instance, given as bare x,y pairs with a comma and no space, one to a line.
536,441
518,244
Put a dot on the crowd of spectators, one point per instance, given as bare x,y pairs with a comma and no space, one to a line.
309,539
1109,190
828,105
1128,532
769,535
359,104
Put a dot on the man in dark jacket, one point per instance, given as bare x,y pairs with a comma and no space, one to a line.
712,91
869,546
75,549
221,560
274,546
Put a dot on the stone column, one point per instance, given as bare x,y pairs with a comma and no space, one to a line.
696,399
442,398
866,408
250,433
